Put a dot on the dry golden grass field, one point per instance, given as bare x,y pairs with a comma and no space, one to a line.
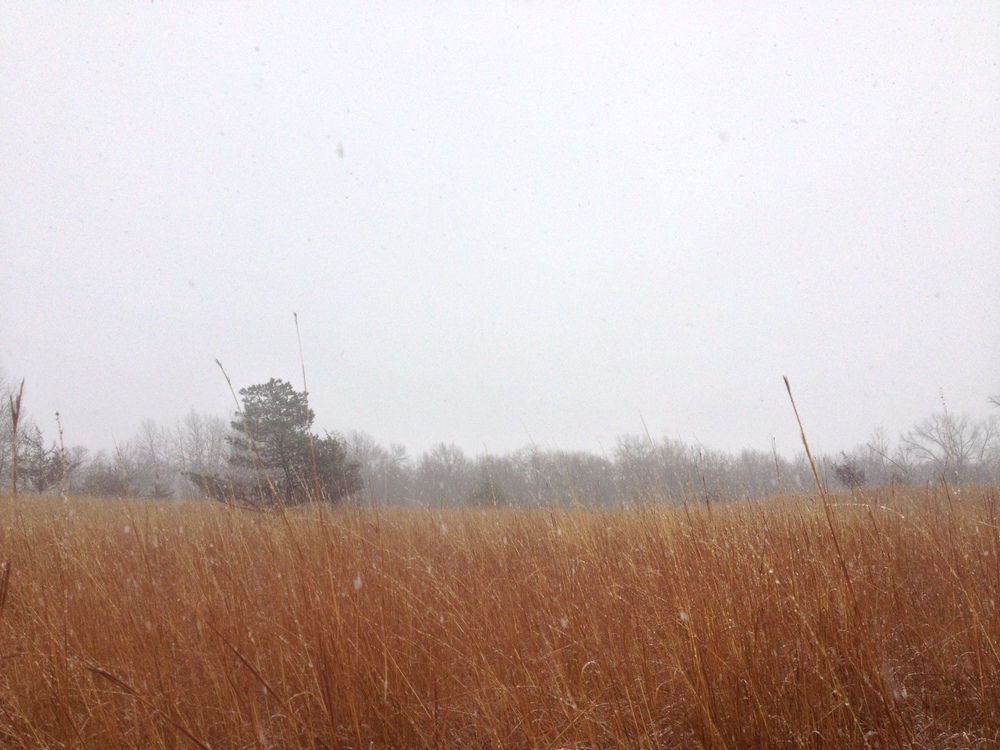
140,624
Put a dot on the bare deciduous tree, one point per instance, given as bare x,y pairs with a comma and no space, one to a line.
199,443
40,467
444,476
385,471
850,472
955,448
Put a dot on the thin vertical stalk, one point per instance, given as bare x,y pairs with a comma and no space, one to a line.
15,416
305,390
876,673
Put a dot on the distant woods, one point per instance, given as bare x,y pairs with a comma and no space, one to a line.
266,455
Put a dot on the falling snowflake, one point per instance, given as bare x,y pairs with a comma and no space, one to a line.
357,582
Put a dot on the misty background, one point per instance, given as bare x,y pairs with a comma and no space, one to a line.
525,227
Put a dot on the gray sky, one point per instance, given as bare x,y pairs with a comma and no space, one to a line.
504,222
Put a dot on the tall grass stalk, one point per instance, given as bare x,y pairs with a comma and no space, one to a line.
865,641
15,417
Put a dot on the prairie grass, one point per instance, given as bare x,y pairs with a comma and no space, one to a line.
139,624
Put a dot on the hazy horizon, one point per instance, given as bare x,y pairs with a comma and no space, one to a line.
532,222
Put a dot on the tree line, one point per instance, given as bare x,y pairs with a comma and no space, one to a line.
267,454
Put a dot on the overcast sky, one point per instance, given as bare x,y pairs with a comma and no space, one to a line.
504,222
